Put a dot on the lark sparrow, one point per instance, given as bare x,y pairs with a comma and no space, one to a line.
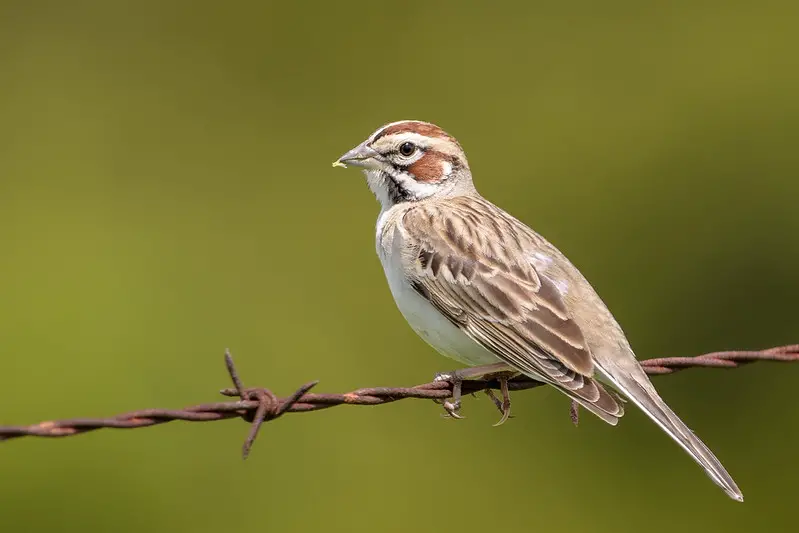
484,289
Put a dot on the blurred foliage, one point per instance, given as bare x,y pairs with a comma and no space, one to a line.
166,191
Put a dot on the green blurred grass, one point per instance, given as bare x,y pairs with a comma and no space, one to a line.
165,192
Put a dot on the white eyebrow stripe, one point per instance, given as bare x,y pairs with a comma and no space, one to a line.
445,146
407,136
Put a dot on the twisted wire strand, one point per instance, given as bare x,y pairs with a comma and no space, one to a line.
258,405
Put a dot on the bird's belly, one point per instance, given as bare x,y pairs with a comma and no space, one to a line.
431,325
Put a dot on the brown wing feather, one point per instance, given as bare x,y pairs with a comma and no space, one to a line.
472,261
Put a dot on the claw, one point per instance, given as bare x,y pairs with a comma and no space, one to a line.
452,410
494,399
456,377
504,407
453,407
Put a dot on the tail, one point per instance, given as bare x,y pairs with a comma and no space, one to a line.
591,395
640,391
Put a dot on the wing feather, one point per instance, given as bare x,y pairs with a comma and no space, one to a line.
484,281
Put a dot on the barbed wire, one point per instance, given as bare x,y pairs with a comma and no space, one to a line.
258,405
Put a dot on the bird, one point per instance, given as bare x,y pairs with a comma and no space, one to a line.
484,289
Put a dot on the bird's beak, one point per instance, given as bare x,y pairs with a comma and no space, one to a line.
361,156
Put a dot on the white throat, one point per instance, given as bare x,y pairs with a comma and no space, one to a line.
379,187
402,187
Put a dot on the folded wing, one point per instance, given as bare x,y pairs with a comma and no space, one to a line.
472,262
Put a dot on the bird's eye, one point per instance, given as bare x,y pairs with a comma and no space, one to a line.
407,149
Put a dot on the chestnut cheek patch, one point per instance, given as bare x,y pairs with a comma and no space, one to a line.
431,168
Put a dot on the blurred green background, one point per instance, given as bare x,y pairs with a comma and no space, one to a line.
166,192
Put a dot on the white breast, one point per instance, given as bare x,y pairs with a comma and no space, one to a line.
425,319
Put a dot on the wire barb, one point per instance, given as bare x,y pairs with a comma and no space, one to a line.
269,407
259,405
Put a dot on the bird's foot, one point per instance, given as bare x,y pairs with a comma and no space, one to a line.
504,405
452,405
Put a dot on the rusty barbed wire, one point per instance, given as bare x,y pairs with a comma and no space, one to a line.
259,405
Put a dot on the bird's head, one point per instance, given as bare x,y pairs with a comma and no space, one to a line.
408,161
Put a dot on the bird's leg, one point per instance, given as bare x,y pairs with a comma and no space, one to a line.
504,408
504,405
456,377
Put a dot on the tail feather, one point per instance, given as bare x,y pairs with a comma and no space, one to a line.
643,395
596,399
